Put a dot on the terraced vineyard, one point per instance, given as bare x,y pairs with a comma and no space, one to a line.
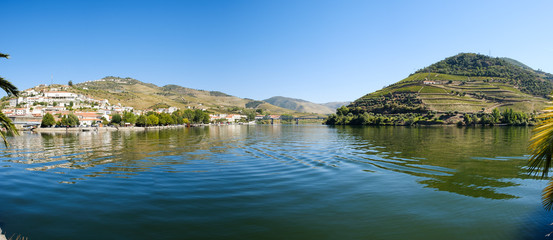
487,83
475,95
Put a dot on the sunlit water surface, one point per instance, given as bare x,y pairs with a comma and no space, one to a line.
273,182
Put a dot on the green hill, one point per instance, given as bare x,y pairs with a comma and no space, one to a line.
134,93
299,105
465,83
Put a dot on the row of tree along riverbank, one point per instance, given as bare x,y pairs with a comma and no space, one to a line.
347,116
149,119
107,128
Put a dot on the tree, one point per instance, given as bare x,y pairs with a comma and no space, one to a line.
115,119
152,120
343,110
141,120
105,122
129,117
541,149
496,115
74,119
70,120
48,120
70,83
200,116
165,119
250,113
5,122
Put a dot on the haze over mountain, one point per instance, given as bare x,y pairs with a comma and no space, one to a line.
300,105
335,105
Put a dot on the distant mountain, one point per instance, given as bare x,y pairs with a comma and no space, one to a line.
140,95
466,82
335,105
299,105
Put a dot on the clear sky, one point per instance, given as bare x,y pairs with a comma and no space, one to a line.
315,50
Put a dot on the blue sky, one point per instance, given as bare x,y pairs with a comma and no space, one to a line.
316,50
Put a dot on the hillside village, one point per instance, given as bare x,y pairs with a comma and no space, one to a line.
28,109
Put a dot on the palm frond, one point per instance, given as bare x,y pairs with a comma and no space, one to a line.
541,150
7,124
8,87
541,144
2,55
547,196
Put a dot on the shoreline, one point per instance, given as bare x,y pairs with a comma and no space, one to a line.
105,129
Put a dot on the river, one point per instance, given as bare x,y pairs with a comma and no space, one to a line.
273,182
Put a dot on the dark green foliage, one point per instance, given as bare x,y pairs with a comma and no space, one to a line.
141,121
254,104
7,86
392,103
48,120
115,119
159,105
69,120
165,119
152,120
348,116
200,116
218,94
128,117
286,118
177,117
507,117
469,119
250,113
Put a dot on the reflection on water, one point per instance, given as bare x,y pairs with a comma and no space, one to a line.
475,162
271,182
120,153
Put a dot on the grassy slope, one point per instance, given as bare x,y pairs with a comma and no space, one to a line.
140,95
464,94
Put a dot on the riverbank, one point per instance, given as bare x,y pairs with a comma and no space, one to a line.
105,129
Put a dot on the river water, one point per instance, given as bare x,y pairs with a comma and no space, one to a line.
273,182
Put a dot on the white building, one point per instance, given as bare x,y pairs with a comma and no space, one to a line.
15,101
20,111
58,95
31,92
